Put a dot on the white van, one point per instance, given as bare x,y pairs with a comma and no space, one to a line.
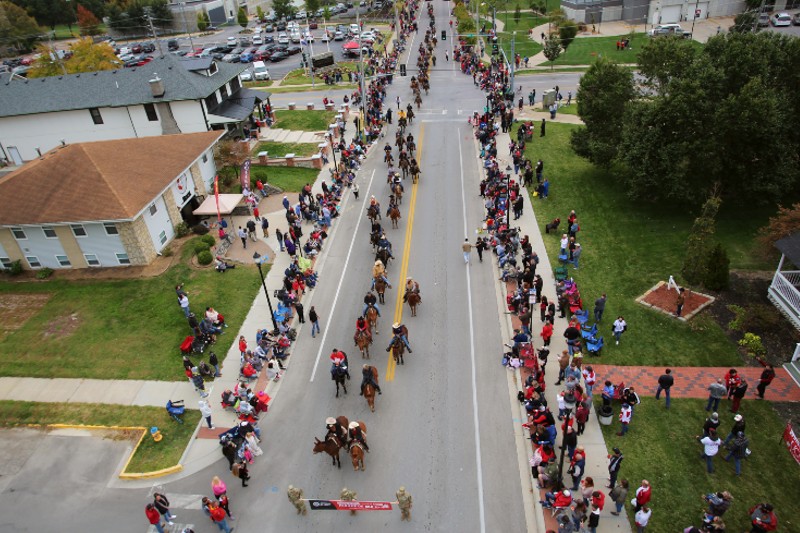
260,71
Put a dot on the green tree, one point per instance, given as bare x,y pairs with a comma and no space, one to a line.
241,17
603,94
282,8
552,49
718,273
700,240
87,22
567,31
664,59
160,12
517,14
202,23
86,57
326,13
259,13
48,13
312,6
557,17
537,6
17,28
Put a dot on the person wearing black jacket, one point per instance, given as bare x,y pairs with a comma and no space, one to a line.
614,464
665,382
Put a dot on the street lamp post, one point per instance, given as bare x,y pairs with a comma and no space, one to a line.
508,196
333,151
258,260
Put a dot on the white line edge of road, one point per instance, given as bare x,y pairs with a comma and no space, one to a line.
473,371
341,280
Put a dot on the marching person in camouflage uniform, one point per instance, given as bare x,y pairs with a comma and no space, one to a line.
296,497
404,501
349,496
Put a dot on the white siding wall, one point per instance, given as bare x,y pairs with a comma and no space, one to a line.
45,130
3,255
102,245
44,249
208,170
159,222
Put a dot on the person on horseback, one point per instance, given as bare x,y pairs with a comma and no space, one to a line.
384,244
335,429
355,434
411,287
362,328
369,301
376,227
368,374
339,363
410,109
378,270
387,149
397,335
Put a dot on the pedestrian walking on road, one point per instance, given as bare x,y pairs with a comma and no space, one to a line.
205,411
716,391
764,381
480,246
466,248
218,516
240,470
218,487
296,496
404,502
314,319
665,382
355,190
154,517
162,505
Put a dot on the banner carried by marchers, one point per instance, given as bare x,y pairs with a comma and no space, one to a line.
345,505
792,441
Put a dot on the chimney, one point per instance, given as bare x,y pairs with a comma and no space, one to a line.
157,87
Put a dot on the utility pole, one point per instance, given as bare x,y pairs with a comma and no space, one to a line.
755,19
310,52
54,53
694,18
186,25
155,38
513,64
363,112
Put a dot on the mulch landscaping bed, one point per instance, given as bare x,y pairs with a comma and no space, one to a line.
663,299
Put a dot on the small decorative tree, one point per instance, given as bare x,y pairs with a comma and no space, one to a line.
202,24
241,17
517,14
695,262
552,49
753,346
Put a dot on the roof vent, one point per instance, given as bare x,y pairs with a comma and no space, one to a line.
157,87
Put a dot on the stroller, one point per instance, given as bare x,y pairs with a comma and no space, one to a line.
175,410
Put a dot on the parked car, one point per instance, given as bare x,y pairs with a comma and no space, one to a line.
136,48
233,41
231,58
148,48
280,55
283,38
338,36
763,20
262,55
326,37
212,28
300,14
247,55
313,25
308,36
247,75
668,29
257,40
296,37
781,19
269,28
796,19
355,29
292,50
281,26
172,44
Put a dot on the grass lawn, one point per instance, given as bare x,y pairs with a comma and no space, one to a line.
301,77
290,179
661,448
523,46
571,109
127,329
627,248
257,84
381,46
276,149
527,20
303,120
62,31
149,457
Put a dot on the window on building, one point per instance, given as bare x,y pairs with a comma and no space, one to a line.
49,232
33,261
223,92
123,259
211,101
150,110
97,118
92,260
78,230
213,69
205,158
5,262
111,228
153,209
63,260
19,234
162,237
235,85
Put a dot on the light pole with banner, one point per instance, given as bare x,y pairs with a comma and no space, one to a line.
258,259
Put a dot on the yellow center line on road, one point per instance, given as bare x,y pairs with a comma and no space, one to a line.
401,284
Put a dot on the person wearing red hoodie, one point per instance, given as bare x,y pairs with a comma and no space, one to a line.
763,518
154,517
557,500
643,494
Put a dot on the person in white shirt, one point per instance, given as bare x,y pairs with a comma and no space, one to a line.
619,327
642,517
711,444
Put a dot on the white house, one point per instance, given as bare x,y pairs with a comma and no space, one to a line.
168,95
650,11
103,204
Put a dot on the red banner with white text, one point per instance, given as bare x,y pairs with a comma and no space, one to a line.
792,441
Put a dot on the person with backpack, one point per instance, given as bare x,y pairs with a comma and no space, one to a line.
218,516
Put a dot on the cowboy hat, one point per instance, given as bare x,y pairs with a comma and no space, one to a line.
353,425
330,420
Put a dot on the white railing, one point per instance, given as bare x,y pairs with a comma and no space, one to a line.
784,286
796,355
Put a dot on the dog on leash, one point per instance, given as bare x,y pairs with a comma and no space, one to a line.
552,226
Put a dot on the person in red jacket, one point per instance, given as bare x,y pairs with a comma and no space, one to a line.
154,517
558,500
732,380
763,518
547,332
643,494
598,499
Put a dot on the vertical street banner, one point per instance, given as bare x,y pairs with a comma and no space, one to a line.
216,196
792,441
345,505
245,174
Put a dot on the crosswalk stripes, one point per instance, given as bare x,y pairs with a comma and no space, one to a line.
176,528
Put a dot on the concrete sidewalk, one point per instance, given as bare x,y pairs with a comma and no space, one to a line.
592,438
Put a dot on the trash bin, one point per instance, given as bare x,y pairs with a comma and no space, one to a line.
606,415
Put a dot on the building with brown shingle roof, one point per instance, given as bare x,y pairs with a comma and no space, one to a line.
106,203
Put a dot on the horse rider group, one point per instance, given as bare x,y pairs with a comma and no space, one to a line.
362,328
347,436
412,287
369,301
339,363
399,335
368,374
378,270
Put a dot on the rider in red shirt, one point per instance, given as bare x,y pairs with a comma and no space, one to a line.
362,326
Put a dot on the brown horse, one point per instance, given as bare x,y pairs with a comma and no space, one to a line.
372,318
394,216
383,255
399,348
413,301
397,189
369,390
331,446
373,212
363,340
356,452
380,288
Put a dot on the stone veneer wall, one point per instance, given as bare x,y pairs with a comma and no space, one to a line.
172,208
11,246
197,178
137,242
